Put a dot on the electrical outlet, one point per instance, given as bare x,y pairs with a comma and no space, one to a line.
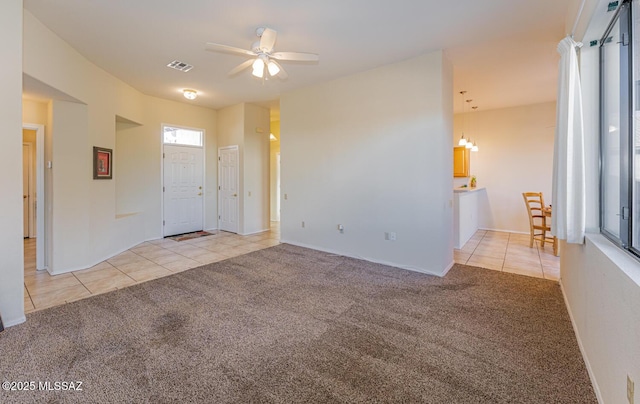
341,228
285,197
630,389
303,223
249,193
391,236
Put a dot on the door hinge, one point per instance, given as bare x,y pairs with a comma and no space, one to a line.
218,158
219,188
163,222
162,155
219,217
625,39
162,189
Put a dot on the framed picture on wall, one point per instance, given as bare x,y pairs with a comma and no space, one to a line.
102,163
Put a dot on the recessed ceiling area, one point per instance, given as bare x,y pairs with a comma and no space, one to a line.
503,51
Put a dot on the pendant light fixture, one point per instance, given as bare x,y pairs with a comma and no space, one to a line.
462,141
468,145
474,148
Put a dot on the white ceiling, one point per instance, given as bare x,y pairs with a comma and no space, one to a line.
503,51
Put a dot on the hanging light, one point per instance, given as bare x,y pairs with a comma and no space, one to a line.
189,94
474,148
462,141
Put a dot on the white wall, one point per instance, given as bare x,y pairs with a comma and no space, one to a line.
600,282
11,242
515,156
372,152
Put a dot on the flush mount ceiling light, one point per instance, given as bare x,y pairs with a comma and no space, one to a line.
189,94
265,55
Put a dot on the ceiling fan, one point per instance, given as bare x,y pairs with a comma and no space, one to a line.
263,55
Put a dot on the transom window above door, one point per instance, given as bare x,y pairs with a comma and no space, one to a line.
182,136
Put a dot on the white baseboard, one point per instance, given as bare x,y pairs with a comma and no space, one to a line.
391,264
15,321
592,377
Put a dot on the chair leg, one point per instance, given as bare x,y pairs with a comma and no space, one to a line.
555,246
531,239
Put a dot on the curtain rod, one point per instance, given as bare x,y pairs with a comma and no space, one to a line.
575,24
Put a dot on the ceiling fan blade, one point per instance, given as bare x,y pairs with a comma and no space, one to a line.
268,39
296,56
282,73
241,67
229,49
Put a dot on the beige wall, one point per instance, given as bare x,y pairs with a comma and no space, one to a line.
247,126
515,156
11,244
83,225
274,150
371,151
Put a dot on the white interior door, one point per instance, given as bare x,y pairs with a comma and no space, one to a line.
26,175
228,185
183,169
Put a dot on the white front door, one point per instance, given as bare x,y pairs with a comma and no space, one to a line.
228,167
26,174
183,169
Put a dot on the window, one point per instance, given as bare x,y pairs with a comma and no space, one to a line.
182,136
619,145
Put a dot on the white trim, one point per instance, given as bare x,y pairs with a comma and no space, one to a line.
504,231
219,213
41,241
204,170
391,264
253,232
12,322
31,191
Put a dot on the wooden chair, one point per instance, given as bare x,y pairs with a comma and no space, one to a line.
538,225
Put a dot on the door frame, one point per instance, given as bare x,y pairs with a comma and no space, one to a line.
41,241
31,231
237,149
204,171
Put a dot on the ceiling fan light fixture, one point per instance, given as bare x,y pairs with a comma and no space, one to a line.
273,68
474,148
258,67
189,94
462,141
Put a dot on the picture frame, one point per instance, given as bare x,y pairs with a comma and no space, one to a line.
102,163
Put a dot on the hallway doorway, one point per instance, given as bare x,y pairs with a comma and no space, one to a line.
33,190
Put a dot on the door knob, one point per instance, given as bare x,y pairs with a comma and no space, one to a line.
234,195
24,197
199,193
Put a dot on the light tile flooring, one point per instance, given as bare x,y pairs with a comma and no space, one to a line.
509,252
146,261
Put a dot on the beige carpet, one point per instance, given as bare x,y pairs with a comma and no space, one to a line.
288,324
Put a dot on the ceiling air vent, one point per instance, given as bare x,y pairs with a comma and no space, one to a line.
182,66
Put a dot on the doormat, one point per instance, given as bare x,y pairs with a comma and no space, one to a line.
189,236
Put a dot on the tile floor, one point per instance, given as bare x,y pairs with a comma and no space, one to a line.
508,252
146,261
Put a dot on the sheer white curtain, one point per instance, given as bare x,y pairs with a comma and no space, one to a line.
568,200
